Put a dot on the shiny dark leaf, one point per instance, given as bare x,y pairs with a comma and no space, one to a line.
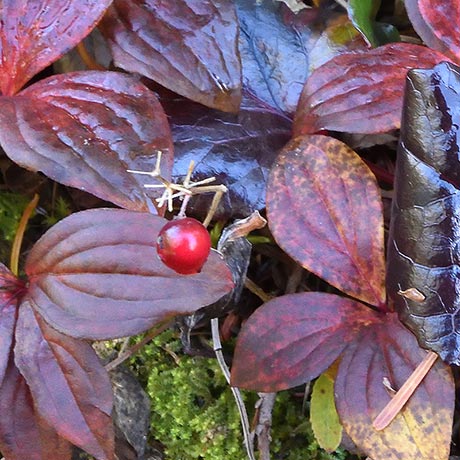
324,209
35,34
384,349
23,433
274,54
435,22
236,149
188,46
97,275
85,129
294,338
424,238
360,92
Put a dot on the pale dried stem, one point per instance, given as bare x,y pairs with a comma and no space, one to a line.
248,436
392,409
264,423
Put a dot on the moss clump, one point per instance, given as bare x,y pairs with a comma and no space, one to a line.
194,414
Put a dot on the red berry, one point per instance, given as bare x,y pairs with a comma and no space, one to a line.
184,245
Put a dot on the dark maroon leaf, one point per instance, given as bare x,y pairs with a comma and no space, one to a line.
384,349
294,338
236,149
85,129
324,209
97,275
423,243
434,21
24,434
274,55
360,92
188,46
70,387
10,289
35,34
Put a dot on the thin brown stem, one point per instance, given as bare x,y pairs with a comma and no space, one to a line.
88,60
122,357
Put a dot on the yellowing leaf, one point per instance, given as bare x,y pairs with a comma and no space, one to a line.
323,414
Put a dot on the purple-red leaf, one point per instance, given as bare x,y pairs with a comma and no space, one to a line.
423,249
422,430
97,275
360,92
85,129
324,209
70,387
188,46
238,150
434,21
294,338
10,289
23,433
35,34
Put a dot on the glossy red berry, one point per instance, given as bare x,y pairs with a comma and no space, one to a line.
184,245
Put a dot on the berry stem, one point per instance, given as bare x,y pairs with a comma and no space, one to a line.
16,249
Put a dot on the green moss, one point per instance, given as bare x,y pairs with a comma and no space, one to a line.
194,414
12,206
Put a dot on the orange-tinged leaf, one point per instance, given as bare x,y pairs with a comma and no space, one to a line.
324,209
422,430
360,92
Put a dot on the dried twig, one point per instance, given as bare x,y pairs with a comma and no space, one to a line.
248,436
264,423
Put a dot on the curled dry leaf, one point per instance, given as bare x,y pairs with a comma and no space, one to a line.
360,92
188,46
423,241
324,209
97,275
